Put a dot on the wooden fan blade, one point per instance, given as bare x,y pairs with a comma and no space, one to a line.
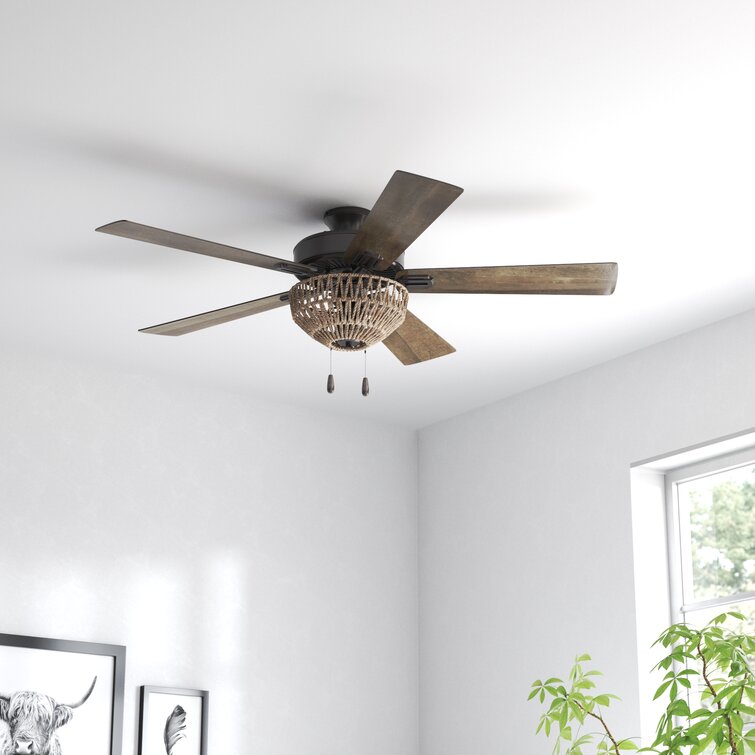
218,316
591,278
139,232
414,342
407,206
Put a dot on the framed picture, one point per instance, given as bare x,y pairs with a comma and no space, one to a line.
60,696
173,721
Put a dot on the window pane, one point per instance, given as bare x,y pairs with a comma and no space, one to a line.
717,528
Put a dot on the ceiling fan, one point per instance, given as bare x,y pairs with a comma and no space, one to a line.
353,288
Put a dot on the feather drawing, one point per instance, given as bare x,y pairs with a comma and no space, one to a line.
174,728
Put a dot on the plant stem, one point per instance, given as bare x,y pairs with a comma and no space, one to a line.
712,691
598,717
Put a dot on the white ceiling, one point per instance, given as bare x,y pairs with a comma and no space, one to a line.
583,131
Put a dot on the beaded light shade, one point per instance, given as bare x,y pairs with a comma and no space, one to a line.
347,311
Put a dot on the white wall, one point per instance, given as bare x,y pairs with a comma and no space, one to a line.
526,531
230,545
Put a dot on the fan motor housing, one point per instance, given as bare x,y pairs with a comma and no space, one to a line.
326,250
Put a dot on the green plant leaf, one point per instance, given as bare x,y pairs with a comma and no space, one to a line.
584,684
583,740
661,689
678,707
627,744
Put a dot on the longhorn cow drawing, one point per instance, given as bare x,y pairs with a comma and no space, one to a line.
33,721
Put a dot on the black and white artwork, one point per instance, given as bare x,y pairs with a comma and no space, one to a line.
59,697
173,721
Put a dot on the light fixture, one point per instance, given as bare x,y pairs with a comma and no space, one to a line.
348,311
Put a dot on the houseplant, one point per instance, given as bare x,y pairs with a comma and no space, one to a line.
709,683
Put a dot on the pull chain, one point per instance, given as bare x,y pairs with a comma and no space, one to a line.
365,382
331,380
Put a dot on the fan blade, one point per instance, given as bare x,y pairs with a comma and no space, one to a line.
218,316
139,232
407,206
597,278
414,342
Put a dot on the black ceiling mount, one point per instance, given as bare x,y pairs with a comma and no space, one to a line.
345,218
327,250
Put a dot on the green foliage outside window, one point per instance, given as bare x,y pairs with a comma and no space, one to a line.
722,529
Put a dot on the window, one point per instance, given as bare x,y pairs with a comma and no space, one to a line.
693,525
711,531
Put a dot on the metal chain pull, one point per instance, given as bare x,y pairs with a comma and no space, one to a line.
331,380
365,382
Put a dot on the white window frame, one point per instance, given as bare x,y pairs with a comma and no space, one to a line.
673,477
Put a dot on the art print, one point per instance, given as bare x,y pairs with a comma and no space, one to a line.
60,697
173,721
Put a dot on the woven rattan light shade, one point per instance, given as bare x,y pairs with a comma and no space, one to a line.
347,312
